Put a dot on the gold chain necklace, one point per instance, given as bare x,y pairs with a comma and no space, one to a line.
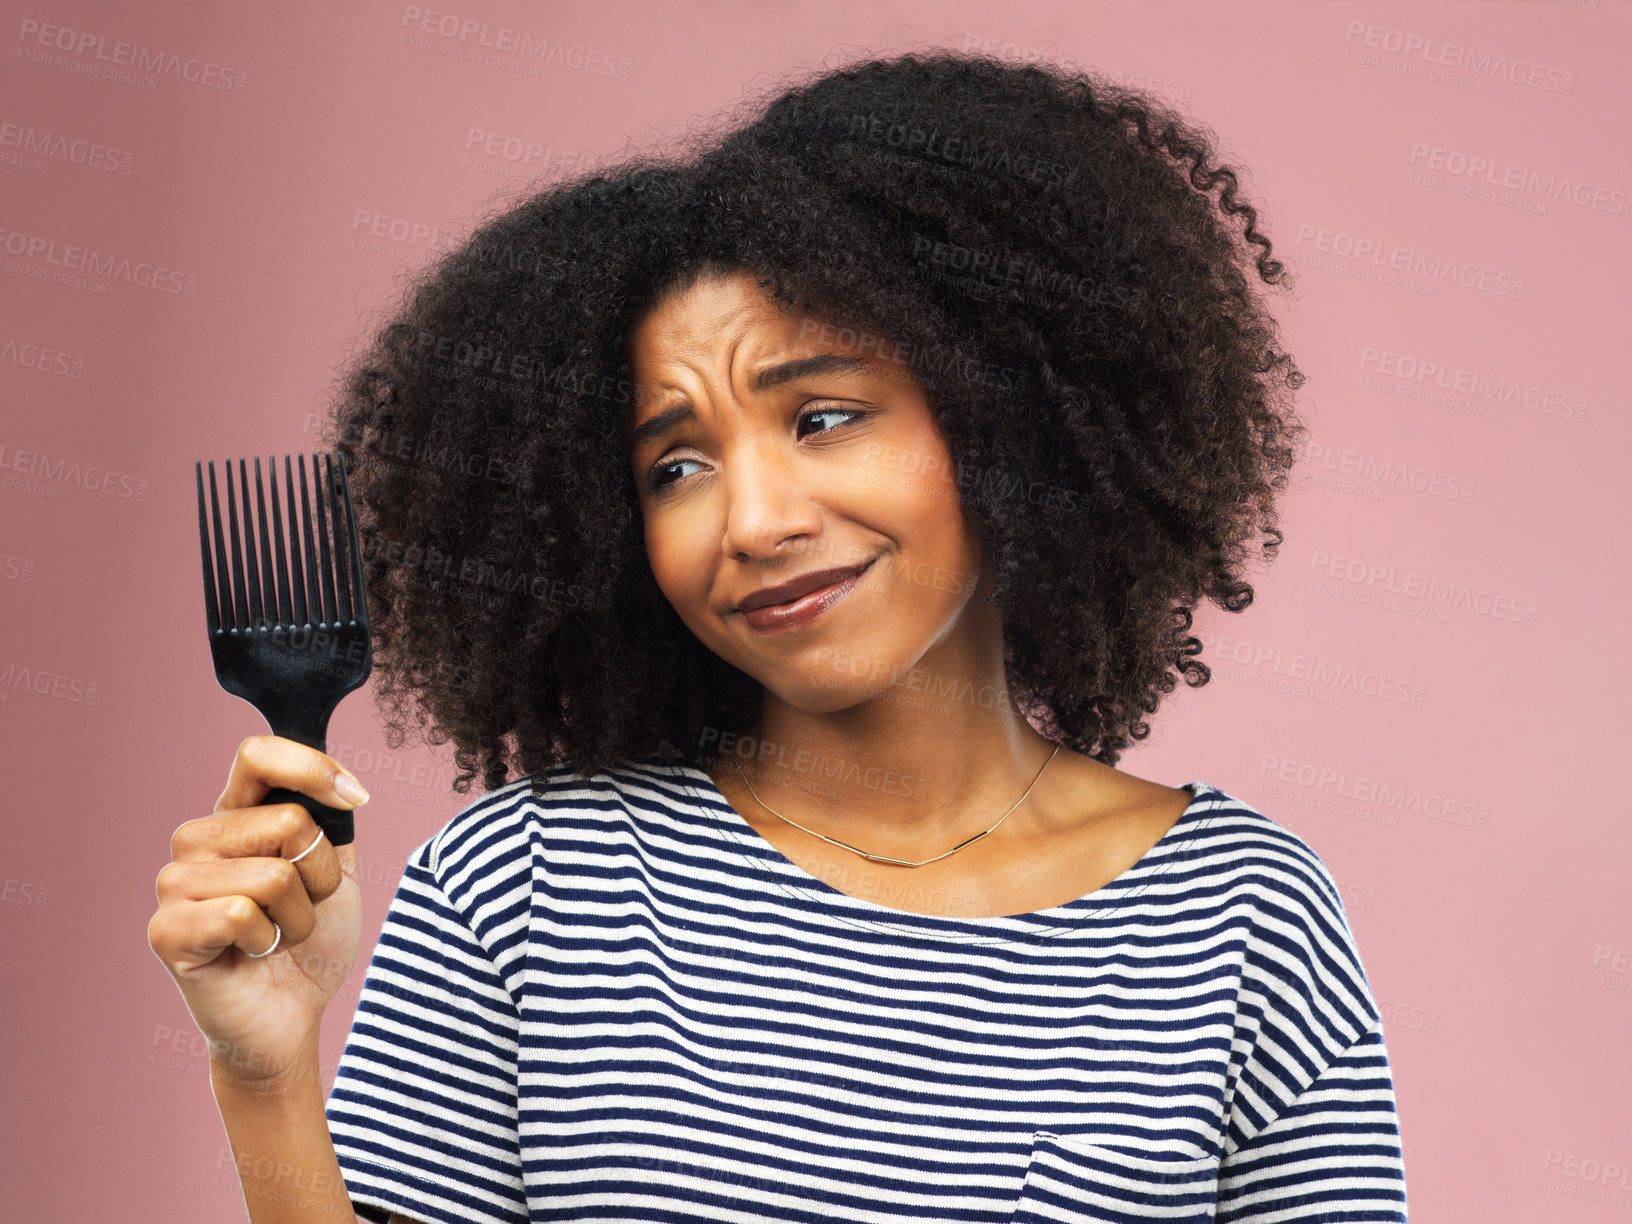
879,858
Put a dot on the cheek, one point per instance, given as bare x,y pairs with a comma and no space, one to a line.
946,552
675,558
925,490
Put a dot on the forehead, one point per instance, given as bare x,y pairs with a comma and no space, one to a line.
726,325
719,316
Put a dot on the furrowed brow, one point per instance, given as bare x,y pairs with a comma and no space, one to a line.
803,367
662,423
765,380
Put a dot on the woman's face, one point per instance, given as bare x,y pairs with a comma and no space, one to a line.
757,465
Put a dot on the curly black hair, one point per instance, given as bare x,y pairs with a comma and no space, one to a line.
1044,247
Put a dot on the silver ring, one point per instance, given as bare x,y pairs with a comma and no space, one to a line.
275,940
308,849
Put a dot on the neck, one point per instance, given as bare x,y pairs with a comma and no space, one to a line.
936,757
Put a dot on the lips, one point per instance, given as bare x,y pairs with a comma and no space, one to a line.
808,609
798,587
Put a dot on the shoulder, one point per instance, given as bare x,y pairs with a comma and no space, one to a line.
1239,838
1301,977
551,806
1299,953
478,872
1216,834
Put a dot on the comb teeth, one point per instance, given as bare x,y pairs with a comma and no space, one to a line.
314,581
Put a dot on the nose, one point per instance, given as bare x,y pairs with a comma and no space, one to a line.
767,504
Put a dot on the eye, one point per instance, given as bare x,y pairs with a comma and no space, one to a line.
655,483
830,411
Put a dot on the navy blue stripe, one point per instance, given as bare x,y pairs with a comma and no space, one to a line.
635,1008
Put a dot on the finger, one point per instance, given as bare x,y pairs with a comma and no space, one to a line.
188,937
267,761
347,858
277,830
273,884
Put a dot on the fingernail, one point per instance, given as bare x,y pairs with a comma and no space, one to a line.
350,789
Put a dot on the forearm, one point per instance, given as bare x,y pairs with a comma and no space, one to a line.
281,1146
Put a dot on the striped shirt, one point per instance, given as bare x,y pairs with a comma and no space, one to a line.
620,1002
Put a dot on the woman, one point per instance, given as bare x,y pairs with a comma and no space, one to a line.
811,518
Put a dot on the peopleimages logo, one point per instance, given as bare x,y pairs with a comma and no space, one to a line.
1496,173
47,683
1435,269
501,46
93,479
70,258
88,153
40,357
1375,792
1328,673
1384,579
1436,52
1504,390
1391,471
93,54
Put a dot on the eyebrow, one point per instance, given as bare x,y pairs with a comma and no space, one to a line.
765,380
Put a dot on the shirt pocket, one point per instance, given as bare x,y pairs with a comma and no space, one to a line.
1074,1180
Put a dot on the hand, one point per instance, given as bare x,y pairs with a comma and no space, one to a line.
230,877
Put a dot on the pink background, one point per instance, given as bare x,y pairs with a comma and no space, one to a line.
1420,690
